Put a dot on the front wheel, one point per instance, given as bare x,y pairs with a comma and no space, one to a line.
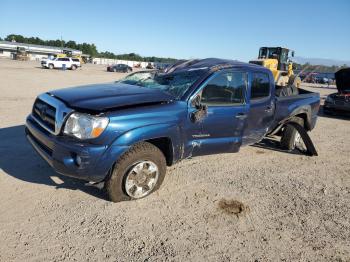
50,66
139,172
74,67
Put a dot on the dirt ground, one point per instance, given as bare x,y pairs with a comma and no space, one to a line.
262,204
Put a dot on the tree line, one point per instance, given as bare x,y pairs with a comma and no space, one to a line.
86,48
318,68
91,50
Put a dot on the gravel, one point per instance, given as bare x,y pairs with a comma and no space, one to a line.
261,204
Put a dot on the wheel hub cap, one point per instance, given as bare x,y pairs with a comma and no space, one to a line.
299,143
141,179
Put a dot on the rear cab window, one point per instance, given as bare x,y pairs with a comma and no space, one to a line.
260,86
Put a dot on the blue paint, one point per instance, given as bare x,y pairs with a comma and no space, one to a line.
140,114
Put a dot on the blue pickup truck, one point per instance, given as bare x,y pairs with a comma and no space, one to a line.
126,133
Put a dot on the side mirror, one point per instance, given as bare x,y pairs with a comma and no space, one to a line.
196,102
292,53
201,110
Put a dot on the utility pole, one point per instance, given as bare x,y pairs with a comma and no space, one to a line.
61,44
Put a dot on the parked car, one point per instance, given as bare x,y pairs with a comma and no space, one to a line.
124,135
60,62
339,102
119,68
150,66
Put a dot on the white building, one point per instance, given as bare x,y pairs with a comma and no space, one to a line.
35,52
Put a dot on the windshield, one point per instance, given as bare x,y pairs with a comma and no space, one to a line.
175,83
133,78
271,52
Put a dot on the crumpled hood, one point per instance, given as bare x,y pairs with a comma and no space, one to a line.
102,97
342,78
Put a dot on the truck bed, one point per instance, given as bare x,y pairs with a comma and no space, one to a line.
306,103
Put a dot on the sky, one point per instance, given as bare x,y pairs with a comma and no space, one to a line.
188,29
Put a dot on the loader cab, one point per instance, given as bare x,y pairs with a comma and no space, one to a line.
282,56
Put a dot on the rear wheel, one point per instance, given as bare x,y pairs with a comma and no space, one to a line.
139,172
114,69
290,136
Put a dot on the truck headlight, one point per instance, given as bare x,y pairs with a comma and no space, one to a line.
84,126
329,100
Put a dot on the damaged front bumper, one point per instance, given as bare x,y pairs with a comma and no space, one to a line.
72,158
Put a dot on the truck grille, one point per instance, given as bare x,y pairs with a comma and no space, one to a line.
50,113
45,113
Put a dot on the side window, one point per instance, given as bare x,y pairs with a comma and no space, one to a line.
66,59
60,59
260,86
225,89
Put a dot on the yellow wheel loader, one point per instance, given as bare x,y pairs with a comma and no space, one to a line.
67,53
277,59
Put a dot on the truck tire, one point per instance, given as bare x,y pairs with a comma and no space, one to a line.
51,66
74,67
137,173
290,134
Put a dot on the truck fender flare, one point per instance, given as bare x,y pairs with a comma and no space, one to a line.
310,148
305,110
149,132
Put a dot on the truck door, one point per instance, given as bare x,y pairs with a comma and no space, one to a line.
262,107
222,127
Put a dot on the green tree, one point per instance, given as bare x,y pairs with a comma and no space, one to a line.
71,44
17,38
86,48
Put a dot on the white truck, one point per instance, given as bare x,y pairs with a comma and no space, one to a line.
61,62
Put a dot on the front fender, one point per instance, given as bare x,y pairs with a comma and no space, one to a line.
131,137
139,134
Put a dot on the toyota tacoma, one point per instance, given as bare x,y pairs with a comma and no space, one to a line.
125,134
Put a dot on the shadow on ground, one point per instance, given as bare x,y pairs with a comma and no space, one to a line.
18,159
273,144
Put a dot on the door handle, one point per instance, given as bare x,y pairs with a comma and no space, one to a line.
241,116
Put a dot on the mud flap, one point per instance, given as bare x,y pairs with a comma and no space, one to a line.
310,148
